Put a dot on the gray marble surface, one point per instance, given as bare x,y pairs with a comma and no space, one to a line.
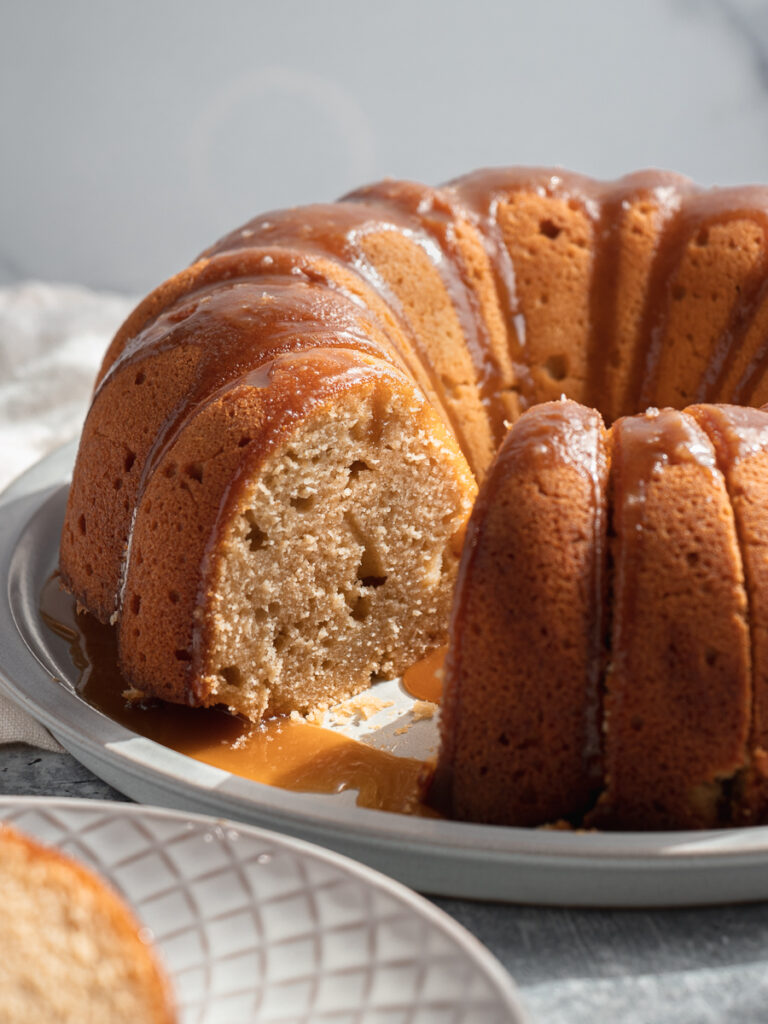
691,966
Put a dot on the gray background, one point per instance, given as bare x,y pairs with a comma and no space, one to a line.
133,134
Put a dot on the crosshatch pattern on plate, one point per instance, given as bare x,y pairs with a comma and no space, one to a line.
251,930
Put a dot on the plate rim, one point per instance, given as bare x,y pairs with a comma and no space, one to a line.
454,847
503,982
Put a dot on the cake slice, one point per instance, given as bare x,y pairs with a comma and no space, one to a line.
72,952
306,522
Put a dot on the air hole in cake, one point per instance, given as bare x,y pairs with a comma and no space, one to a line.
358,467
637,723
678,293
360,608
711,656
273,608
692,558
557,367
136,604
325,664
260,614
130,458
194,471
256,538
182,655
303,504
118,483
231,675
281,639
244,440
504,740
549,229
88,569
703,237
173,596
373,581
139,378
81,524
371,566
170,471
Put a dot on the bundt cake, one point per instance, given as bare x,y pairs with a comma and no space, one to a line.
617,678
284,441
72,951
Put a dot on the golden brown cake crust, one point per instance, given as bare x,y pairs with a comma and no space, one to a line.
521,714
740,437
678,688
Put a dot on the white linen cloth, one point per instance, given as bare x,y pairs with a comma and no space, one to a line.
52,338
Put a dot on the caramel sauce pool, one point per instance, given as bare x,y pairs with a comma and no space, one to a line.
424,681
280,752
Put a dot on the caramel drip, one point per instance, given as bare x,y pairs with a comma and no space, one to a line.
476,200
292,755
567,434
614,200
335,231
234,326
552,434
737,432
604,204
424,680
231,328
437,215
479,195
750,300
643,447
648,444
698,213
757,368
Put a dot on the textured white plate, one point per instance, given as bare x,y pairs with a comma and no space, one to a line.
451,858
256,927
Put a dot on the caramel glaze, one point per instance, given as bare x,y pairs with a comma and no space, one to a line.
335,231
560,437
437,214
740,437
496,707
290,754
424,681
604,204
677,576
267,288
693,219
232,276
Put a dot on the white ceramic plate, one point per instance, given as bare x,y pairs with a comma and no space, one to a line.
446,857
256,927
